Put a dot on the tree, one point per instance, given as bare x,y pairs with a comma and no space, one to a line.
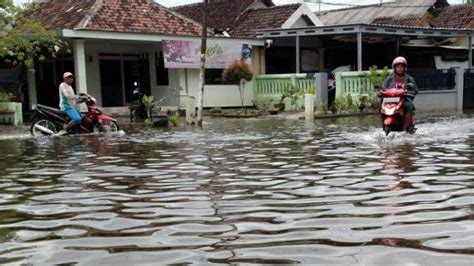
23,39
238,73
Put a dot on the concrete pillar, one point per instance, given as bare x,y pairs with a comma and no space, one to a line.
359,51
32,94
460,89
321,85
80,66
262,61
190,110
321,53
309,106
298,56
469,59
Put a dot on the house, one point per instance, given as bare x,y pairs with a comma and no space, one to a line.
422,53
120,44
217,8
243,18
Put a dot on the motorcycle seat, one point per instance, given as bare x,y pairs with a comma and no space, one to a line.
52,110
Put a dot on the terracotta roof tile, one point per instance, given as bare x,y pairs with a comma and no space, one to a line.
457,16
263,18
63,14
222,13
144,16
410,21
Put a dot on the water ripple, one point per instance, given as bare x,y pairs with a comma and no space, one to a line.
266,192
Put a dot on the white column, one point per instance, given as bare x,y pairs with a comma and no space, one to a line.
469,59
460,89
359,51
298,56
321,85
80,66
32,87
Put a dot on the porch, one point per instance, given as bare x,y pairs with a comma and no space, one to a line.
110,66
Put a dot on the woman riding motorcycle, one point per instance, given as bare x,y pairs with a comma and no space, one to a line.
400,79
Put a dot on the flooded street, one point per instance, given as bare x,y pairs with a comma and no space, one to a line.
243,191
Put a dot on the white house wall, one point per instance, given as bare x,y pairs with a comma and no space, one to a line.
214,95
93,49
220,95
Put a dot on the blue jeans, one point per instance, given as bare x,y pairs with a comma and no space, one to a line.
74,115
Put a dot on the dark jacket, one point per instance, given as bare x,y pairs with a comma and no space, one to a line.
410,85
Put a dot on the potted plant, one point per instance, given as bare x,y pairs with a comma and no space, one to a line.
238,73
289,91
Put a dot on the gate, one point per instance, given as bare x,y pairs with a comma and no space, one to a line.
469,89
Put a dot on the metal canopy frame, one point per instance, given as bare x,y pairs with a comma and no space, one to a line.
360,29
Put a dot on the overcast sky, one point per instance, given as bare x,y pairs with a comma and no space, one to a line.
315,7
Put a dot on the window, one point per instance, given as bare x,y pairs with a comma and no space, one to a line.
162,78
214,77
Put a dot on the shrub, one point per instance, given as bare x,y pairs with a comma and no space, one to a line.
292,92
216,111
238,73
4,96
263,104
324,108
174,119
376,78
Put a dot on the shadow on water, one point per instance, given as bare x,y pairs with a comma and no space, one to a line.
242,191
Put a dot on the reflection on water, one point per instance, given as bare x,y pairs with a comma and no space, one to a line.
242,192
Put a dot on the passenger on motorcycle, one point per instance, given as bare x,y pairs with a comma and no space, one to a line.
400,79
67,103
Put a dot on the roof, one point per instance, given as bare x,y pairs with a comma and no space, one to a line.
222,13
458,16
131,16
367,14
263,18
390,30
411,21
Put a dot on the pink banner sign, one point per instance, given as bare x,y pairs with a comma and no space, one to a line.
186,54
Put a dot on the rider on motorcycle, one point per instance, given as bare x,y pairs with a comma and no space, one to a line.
67,102
400,79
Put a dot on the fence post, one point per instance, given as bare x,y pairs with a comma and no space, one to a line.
321,85
460,89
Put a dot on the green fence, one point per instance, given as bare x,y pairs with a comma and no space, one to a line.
354,83
271,86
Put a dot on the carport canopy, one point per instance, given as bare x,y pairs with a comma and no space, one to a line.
373,29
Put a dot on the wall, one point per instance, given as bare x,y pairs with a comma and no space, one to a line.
436,101
187,80
93,49
223,95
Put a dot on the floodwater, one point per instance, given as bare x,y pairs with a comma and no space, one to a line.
243,191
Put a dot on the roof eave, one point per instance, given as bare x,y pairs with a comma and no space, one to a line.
145,37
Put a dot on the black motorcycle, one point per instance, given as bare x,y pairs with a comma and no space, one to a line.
137,107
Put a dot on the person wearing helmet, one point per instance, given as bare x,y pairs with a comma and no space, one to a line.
400,79
67,102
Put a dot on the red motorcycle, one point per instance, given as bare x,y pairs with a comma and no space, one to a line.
391,111
48,121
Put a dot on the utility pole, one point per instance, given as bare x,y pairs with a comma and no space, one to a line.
202,73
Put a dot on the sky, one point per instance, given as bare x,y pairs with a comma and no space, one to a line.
315,7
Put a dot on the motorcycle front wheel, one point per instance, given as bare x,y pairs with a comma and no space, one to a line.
107,127
43,127
387,130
